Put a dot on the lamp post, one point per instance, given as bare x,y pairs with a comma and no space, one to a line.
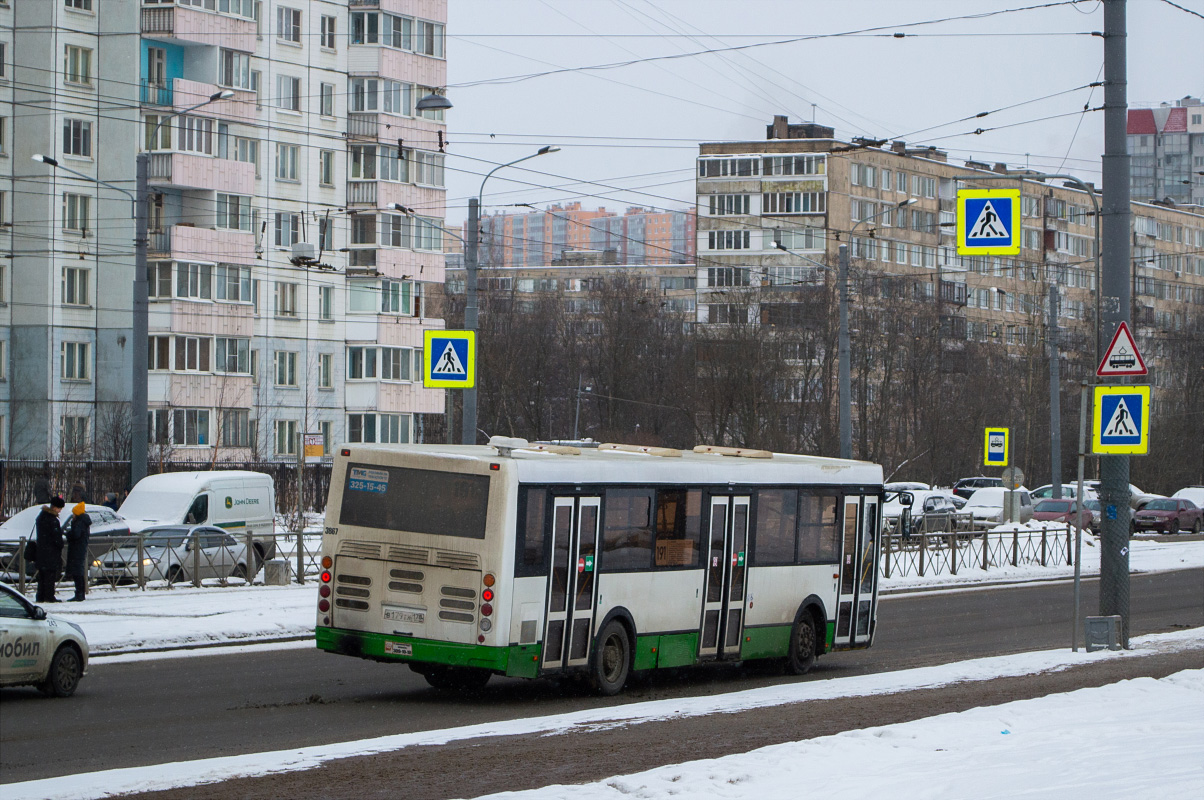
139,372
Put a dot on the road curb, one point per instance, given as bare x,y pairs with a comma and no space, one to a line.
201,646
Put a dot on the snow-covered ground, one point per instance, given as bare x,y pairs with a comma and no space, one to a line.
1137,738
126,619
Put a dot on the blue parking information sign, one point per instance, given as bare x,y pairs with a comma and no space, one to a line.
1122,420
988,222
449,359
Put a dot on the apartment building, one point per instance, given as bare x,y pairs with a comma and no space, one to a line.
287,292
638,236
1166,148
894,206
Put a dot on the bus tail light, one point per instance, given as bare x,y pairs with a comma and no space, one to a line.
486,625
487,595
487,610
324,591
325,577
488,580
323,605
327,562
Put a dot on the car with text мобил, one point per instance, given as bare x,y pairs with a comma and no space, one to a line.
37,649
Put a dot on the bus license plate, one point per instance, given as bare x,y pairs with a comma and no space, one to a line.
399,649
405,615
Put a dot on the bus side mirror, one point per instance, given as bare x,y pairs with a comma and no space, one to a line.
906,499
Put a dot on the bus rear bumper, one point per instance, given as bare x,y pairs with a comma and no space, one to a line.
515,660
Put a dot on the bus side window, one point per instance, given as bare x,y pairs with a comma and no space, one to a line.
532,540
678,527
627,537
818,536
774,536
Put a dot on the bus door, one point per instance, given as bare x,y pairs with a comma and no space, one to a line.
725,584
858,572
572,586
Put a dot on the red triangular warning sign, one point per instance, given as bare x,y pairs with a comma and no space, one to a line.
1122,356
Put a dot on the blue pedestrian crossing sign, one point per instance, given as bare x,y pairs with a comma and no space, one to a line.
988,222
449,359
1122,420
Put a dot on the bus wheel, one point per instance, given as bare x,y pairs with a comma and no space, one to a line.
804,645
612,659
456,679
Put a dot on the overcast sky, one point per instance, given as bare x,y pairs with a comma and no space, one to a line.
629,134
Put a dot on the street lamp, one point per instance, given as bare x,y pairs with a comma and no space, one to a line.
139,371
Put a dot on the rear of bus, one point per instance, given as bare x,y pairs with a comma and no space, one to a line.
412,547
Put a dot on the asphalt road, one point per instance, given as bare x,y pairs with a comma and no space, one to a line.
187,708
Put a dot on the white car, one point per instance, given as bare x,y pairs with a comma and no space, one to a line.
986,504
1192,493
1069,490
175,553
39,650
107,527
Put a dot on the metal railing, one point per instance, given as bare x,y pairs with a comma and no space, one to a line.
931,554
202,558
156,94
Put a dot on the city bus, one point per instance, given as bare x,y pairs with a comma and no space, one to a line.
535,560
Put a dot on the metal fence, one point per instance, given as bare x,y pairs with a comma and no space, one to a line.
97,478
202,558
927,554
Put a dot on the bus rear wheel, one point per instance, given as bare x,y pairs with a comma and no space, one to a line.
804,646
612,659
455,679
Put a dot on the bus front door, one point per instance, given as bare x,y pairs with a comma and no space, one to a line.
572,586
724,591
858,572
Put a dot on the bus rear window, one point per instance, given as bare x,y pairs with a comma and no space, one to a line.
415,500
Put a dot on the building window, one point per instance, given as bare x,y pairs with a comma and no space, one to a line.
77,138
395,230
365,27
235,427
395,297
194,281
729,240
363,229
158,353
233,356
288,228
195,135
286,162
325,234
792,203
192,353
190,426
427,235
288,24
361,428
327,35
363,162
394,164
326,167
234,69
78,5
286,437
396,98
74,434
326,303
158,136
722,204
428,38
158,278
156,66
76,361
428,169
232,283
285,303
75,286
288,93
233,212
77,65
363,94
286,368
326,99
361,363
395,363
75,212
325,370
434,114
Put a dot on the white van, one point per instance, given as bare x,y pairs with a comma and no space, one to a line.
234,500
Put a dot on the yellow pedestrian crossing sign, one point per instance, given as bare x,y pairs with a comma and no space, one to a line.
1122,420
988,222
449,359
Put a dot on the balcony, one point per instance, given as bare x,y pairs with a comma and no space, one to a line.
363,126
154,94
189,243
193,26
240,108
361,193
195,171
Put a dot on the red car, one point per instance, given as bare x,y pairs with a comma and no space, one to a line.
1169,515
1063,511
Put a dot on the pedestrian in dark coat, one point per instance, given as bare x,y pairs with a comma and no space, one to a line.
79,494
41,487
111,501
78,531
49,559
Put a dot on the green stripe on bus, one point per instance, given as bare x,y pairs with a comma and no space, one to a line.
521,661
767,642
665,650
831,636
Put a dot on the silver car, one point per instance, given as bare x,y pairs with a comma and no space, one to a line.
39,650
175,553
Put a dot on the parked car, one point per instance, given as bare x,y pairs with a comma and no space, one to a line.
1169,515
176,553
1065,512
986,504
1137,498
966,486
933,509
1192,493
37,649
907,486
1069,490
108,527
1096,515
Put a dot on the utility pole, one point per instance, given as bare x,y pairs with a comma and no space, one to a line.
468,430
1055,395
1116,294
140,329
842,353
